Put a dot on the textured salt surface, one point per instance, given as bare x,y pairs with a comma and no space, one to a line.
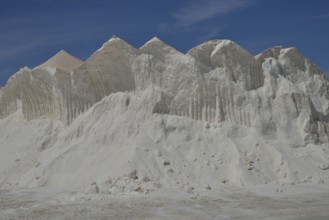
138,121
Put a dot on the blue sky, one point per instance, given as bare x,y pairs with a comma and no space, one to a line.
31,31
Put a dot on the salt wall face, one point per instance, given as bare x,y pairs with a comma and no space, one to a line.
278,92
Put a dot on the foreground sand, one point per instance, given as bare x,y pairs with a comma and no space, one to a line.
262,202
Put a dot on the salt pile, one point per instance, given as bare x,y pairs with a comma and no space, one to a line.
140,120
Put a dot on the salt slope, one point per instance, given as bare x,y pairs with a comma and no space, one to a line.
265,119
119,145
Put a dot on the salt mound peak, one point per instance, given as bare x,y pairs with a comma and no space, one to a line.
25,68
115,40
152,41
293,50
155,38
210,48
214,53
63,61
271,52
214,43
157,47
223,43
276,51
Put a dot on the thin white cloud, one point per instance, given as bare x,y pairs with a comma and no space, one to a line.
210,33
322,16
311,18
197,11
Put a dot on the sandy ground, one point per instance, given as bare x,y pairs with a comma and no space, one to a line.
262,202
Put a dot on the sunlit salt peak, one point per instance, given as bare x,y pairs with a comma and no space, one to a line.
111,40
221,44
271,52
157,46
152,41
289,49
213,45
61,60
25,68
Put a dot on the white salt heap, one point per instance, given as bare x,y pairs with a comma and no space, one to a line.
139,120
